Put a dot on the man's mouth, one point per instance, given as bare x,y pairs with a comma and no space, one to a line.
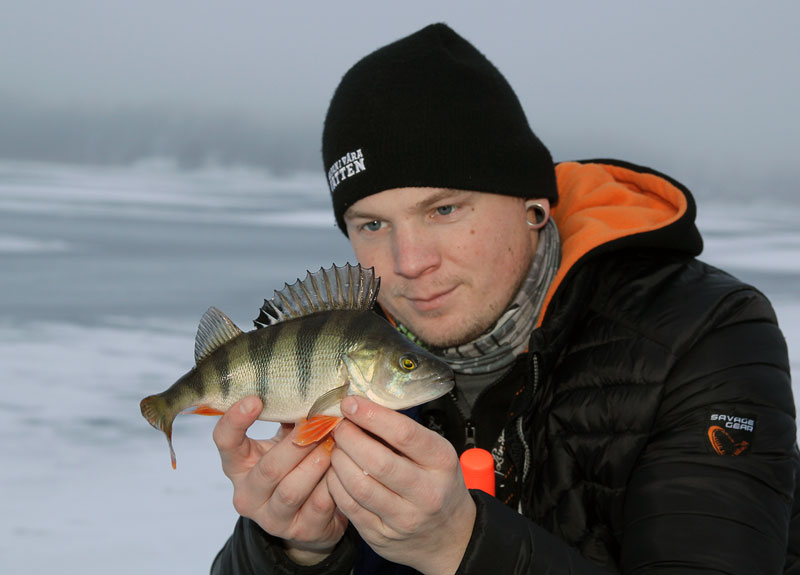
428,302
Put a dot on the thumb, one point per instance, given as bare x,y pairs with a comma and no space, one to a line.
230,433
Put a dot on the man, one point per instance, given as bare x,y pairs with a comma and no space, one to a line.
636,401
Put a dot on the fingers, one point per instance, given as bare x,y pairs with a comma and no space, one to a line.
420,515
318,518
277,483
401,432
347,503
230,434
377,512
359,455
287,476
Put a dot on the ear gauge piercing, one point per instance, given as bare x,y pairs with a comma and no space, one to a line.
540,214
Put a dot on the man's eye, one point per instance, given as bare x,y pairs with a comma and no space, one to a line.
445,210
372,226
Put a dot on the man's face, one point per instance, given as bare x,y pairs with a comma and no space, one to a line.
450,261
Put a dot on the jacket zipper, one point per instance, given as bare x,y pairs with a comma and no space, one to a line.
520,430
469,426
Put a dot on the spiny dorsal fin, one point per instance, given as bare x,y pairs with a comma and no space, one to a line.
215,330
346,287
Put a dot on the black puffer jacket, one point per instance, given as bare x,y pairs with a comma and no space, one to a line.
650,428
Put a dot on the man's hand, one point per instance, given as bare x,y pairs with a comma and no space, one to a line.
401,486
278,484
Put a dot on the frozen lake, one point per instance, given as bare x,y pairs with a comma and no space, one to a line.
104,274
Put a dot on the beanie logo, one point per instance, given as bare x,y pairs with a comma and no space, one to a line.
345,167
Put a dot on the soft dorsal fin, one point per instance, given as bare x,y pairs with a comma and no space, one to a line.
346,287
215,330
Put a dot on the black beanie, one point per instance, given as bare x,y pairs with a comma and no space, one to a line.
429,110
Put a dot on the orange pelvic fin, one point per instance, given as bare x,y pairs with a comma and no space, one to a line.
205,410
315,428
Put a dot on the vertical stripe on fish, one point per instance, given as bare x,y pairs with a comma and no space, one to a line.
220,362
259,349
305,339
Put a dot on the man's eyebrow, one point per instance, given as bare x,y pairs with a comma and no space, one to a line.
352,213
444,194
440,195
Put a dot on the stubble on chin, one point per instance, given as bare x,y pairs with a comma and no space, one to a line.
436,332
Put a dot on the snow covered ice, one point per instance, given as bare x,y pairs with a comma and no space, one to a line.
104,275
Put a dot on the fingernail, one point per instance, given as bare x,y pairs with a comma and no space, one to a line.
349,405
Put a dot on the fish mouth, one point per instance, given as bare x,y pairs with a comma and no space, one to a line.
438,386
448,380
432,388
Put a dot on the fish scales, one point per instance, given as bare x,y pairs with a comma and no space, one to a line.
288,365
240,375
321,340
305,338
280,364
308,353
313,347
263,346
294,376
220,368
321,349
274,338
297,364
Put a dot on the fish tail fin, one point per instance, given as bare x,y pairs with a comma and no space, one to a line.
157,411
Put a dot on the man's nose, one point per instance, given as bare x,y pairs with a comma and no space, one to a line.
414,251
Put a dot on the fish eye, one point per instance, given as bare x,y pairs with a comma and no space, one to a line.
408,362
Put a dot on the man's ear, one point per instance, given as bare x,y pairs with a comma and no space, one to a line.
537,212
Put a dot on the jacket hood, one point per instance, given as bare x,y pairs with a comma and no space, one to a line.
608,205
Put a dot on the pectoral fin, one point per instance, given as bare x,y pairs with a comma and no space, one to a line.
318,424
328,400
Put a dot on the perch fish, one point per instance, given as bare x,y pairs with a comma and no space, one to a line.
316,341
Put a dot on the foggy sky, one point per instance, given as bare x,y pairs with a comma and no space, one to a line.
705,90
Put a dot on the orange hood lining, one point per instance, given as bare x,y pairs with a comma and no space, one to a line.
600,203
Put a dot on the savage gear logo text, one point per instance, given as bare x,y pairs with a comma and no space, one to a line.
730,434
